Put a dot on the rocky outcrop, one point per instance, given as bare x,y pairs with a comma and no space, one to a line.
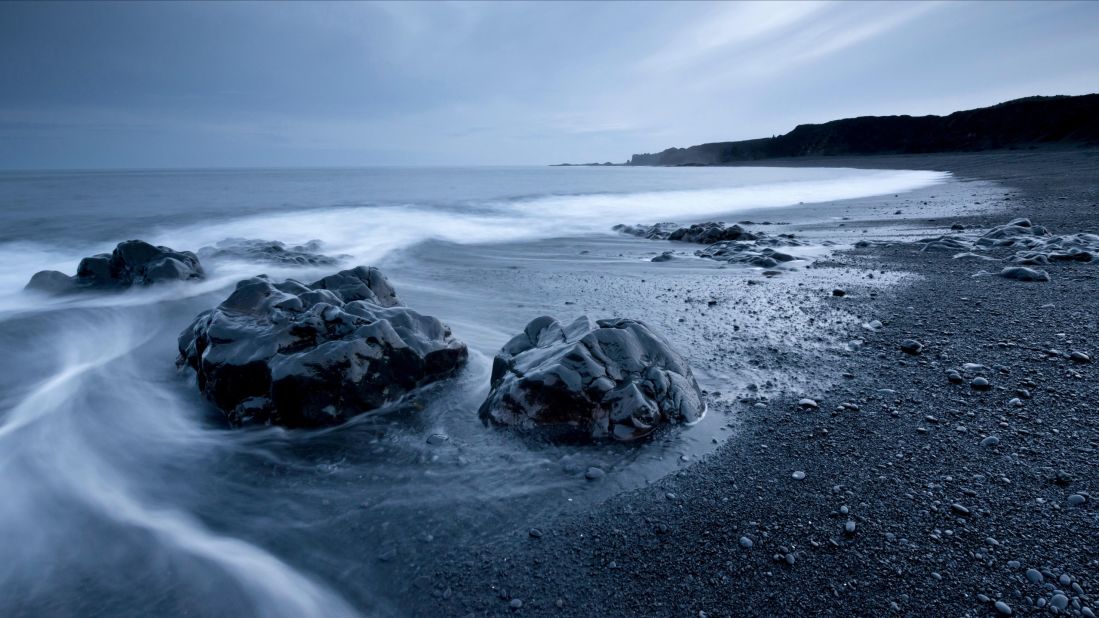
269,251
1032,121
132,263
700,233
311,355
612,379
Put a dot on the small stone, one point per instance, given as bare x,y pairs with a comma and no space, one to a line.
1059,601
1015,402
954,377
535,533
1035,576
1003,608
516,603
849,527
839,292
436,439
798,475
990,441
746,542
1080,357
980,383
807,403
1065,579
911,346
594,473
1076,500
959,509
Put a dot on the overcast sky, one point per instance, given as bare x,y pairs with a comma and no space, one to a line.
85,85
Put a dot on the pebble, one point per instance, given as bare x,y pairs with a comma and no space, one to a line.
1065,579
1080,357
1059,601
807,403
1003,608
954,377
1076,500
990,441
594,473
516,603
959,509
535,533
746,542
980,383
1035,576
839,292
798,475
436,439
849,527
1015,403
911,346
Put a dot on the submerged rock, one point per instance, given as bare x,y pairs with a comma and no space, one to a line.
269,251
133,262
606,379
311,355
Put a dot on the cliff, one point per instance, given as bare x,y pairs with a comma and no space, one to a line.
1022,123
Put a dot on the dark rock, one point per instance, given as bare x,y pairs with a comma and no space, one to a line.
839,292
269,251
132,263
980,383
1080,357
711,232
911,346
667,256
611,378
312,355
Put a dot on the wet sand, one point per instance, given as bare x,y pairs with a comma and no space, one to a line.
905,507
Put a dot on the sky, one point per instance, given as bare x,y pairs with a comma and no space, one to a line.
164,85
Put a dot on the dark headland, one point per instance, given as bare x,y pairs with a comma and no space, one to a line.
1028,123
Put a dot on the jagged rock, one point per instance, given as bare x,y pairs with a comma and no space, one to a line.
710,232
701,233
133,262
311,355
269,251
607,379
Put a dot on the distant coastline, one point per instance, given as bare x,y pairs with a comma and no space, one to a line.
1022,124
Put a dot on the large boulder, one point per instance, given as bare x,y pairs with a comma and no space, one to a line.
608,379
133,262
312,355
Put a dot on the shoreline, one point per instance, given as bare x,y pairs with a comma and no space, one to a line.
936,527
